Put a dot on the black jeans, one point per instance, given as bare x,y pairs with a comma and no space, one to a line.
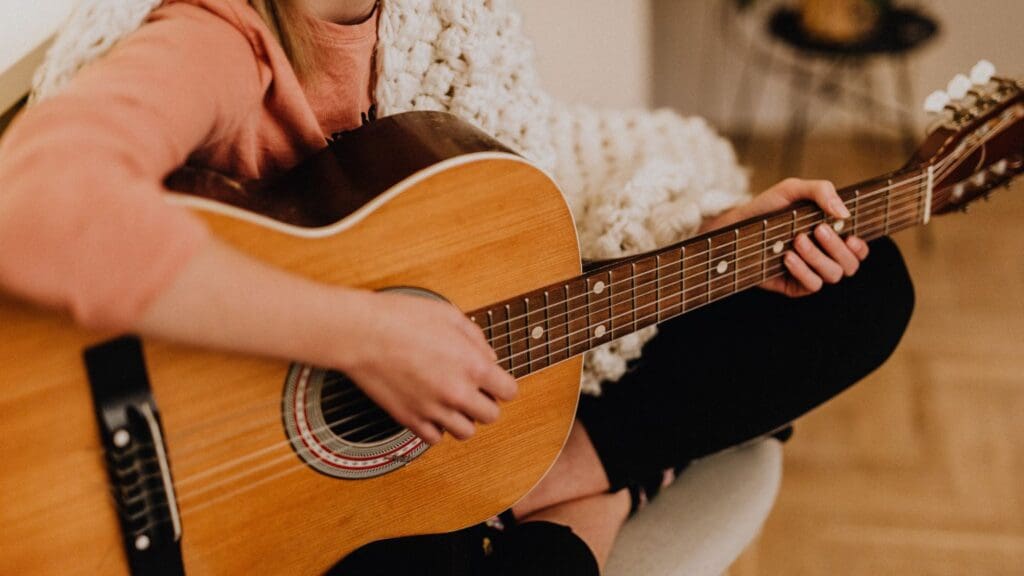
711,379
746,366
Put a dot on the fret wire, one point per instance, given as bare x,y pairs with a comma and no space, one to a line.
856,210
888,203
764,242
657,282
682,278
814,214
547,323
907,215
735,279
707,264
526,330
904,222
632,292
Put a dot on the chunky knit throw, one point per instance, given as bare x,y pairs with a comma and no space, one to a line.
635,180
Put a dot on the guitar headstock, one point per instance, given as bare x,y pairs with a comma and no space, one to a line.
977,140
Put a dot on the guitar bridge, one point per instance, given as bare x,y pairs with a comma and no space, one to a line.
137,463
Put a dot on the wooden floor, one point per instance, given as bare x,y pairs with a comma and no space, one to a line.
920,468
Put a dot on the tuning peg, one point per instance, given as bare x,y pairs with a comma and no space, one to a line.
982,72
958,86
936,102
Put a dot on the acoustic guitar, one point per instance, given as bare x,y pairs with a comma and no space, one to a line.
127,456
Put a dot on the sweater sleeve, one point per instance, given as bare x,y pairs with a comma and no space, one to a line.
83,224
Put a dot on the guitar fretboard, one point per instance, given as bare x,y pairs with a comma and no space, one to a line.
619,297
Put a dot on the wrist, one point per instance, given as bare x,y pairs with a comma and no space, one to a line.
341,332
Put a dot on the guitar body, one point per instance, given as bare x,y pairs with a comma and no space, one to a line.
461,218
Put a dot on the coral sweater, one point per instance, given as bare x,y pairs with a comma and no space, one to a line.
83,226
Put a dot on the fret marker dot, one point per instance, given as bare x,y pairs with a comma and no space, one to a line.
599,287
838,225
599,331
142,542
722,267
122,438
537,332
777,247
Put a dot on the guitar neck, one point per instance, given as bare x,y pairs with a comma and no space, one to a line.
619,297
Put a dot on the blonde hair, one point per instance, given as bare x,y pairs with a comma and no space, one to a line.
287,21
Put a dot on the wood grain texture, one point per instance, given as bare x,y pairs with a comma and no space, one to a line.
478,233
917,469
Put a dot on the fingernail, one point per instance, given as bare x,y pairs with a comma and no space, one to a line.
839,208
823,230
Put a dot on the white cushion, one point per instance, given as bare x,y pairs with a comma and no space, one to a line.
699,525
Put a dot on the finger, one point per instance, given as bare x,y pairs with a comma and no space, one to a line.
498,383
479,407
427,431
837,249
455,422
858,247
801,272
476,337
822,265
825,196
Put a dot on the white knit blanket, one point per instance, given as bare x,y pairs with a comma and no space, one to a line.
635,180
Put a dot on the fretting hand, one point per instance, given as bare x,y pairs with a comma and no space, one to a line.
825,259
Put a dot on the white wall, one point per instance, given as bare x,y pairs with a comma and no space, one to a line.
696,71
26,27
593,51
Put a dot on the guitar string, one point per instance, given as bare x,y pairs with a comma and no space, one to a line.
712,290
901,205
902,218
897,189
510,358
729,283
966,156
865,203
708,266
902,185
887,217
942,169
709,294
186,496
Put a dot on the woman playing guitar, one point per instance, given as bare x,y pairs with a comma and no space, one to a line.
85,231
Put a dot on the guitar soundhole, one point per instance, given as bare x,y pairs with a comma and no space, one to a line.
352,415
338,430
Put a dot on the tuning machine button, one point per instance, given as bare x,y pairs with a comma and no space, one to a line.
936,102
999,168
982,72
958,86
